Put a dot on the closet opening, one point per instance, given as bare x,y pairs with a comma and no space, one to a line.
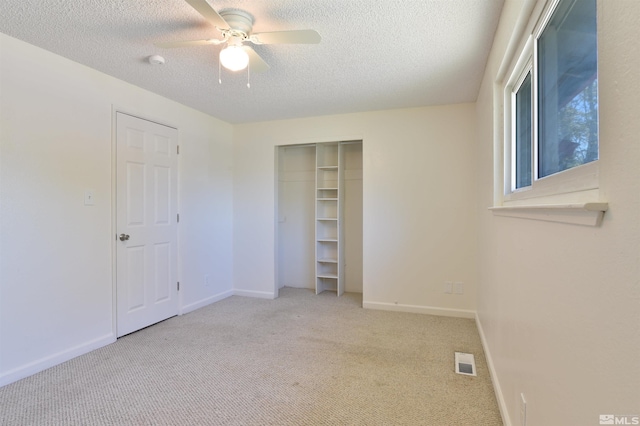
319,217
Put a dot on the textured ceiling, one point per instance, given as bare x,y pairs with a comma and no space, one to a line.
374,54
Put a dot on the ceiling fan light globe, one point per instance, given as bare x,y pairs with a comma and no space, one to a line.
234,58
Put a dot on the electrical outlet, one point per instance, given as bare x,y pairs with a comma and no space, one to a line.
448,287
523,410
458,288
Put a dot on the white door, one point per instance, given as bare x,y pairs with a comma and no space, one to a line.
146,223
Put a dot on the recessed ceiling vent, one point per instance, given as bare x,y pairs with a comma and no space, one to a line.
465,364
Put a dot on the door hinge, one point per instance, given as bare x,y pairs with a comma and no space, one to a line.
178,149
178,217
178,285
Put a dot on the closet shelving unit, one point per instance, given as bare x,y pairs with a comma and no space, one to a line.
329,218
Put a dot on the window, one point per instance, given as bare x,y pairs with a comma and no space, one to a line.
523,139
552,98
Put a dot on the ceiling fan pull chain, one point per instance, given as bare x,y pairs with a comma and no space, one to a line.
219,73
249,76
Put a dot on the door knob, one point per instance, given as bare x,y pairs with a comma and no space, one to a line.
124,237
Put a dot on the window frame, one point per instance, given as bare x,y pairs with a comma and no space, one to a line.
576,184
518,81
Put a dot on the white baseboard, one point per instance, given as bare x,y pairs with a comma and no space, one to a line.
204,302
430,310
253,293
506,420
55,359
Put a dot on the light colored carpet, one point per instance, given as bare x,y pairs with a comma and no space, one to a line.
301,359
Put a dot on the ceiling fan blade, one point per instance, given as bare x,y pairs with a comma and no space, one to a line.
286,37
189,43
210,14
256,63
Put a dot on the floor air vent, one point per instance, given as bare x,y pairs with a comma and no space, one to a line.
465,364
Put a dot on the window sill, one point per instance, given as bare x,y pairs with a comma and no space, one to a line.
587,214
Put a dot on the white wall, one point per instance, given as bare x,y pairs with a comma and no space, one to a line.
296,212
559,304
56,276
418,203
352,229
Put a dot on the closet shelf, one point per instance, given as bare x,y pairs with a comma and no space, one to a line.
329,214
329,276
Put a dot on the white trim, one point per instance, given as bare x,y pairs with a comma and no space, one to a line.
502,405
544,17
204,302
321,139
254,293
114,223
522,27
522,69
429,310
588,214
55,359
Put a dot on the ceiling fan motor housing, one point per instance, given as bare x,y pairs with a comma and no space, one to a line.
238,20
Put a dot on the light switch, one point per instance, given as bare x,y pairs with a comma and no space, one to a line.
89,197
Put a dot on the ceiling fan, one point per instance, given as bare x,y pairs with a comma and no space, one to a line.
235,27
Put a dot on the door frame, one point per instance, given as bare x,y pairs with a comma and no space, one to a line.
115,109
